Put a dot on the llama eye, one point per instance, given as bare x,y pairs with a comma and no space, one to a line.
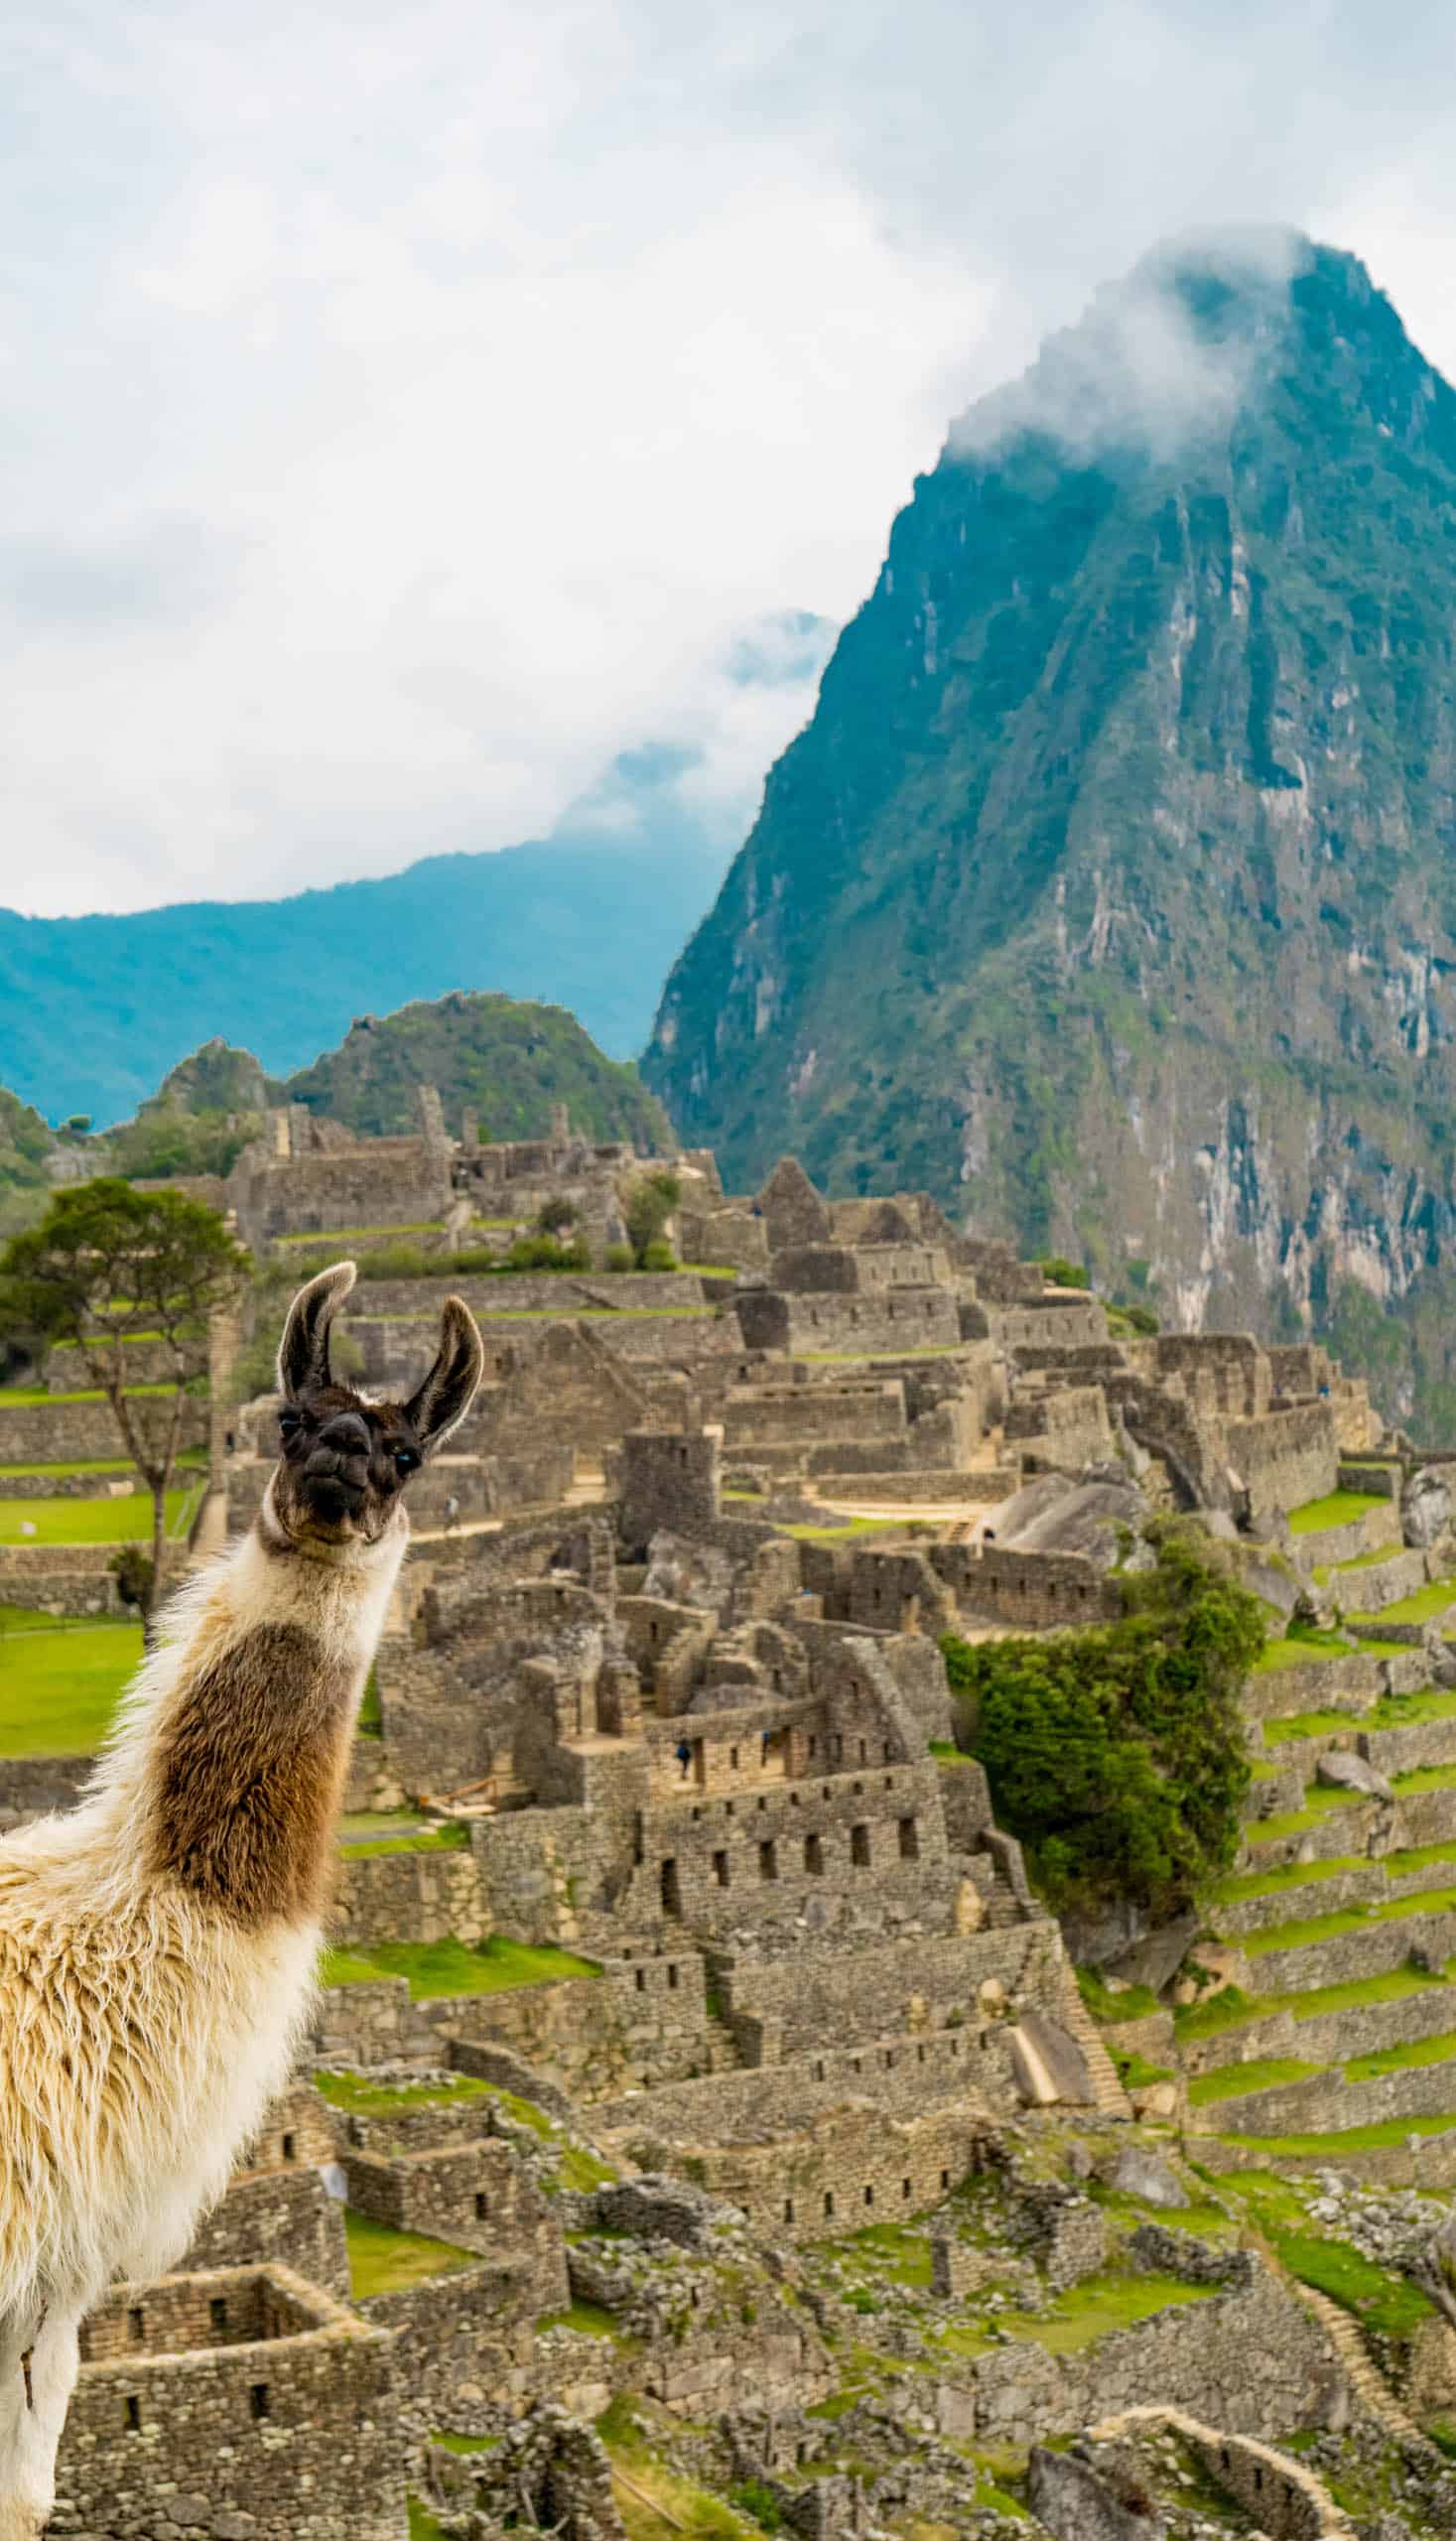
289,1424
405,1460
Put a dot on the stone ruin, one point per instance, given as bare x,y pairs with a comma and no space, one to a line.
660,1719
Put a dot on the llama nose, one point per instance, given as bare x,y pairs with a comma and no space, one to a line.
346,1434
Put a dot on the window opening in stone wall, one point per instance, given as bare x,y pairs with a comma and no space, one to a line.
945,2179
672,1895
905,2189
482,2206
732,1760
814,1854
131,2415
788,2209
859,1847
290,2149
869,2197
217,2314
909,1840
863,1751
720,1869
258,2400
640,1978
672,1976
768,1860
829,2202
136,2327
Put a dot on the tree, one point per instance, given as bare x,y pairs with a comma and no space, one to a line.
1117,1754
108,1266
648,1207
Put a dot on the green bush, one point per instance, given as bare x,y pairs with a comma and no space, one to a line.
659,1257
555,1216
545,1253
1064,1273
1117,1754
753,2499
621,1257
648,1207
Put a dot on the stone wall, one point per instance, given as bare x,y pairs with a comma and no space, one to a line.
272,2211
851,2168
408,1897
181,2425
1194,2356
77,1432
1036,1590
1286,1458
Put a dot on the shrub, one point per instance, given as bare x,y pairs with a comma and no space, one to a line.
753,2499
659,1257
619,1257
555,1216
648,1207
1116,1756
544,1253
1065,1274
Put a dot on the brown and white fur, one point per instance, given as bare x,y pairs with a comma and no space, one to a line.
158,1943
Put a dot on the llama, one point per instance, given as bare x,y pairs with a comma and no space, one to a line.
158,1943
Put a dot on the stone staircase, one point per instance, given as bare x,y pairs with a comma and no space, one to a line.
1108,2095
1373,2396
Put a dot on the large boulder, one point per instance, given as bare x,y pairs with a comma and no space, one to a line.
1048,2064
1342,1770
1425,1507
1078,2500
1138,2173
1157,1957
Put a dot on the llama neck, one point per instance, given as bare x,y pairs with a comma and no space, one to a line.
244,1756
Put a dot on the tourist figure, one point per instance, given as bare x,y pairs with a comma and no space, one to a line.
684,1755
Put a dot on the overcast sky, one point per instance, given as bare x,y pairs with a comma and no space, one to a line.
408,406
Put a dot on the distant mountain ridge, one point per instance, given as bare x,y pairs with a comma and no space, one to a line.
94,1011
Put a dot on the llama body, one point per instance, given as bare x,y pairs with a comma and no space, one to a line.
158,1943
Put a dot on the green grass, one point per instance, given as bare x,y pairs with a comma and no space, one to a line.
591,2319
1273,1883
1309,1724
1321,1801
20,1395
1318,1928
1399,2059
1100,2305
60,1682
1356,1993
1389,2136
423,2525
364,1235
453,1837
464,2445
359,2097
1132,2003
1231,2082
1418,1857
1360,1560
1381,2301
95,1522
844,1529
1399,1711
42,1470
446,1967
1421,1608
384,2261
1425,1777
1337,1509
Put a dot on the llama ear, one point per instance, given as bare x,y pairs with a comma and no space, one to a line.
449,1389
303,1353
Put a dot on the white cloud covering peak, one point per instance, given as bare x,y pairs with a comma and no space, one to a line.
405,409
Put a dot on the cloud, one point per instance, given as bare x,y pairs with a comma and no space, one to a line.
410,409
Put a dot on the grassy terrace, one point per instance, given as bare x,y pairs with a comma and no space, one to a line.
1422,1608
1337,1509
1393,1712
436,1969
59,1681
1270,1883
96,1522
358,2096
843,1530
1327,1570
1301,1649
361,1842
1321,1801
1321,1928
1386,2138
384,2261
1231,2082
45,1472
14,1395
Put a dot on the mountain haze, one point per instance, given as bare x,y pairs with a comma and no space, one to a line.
93,1010
1111,891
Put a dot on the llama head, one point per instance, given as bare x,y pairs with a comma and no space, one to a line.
346,1456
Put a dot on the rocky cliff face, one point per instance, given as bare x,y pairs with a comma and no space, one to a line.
1111,891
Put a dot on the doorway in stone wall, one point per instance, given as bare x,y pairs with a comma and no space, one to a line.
672,1895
